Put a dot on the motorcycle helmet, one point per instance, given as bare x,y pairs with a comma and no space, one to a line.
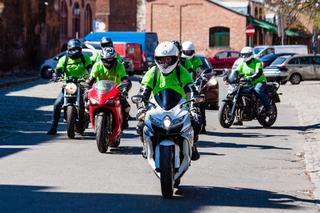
246,54
106,42
166,57
108,57
188,49
74,48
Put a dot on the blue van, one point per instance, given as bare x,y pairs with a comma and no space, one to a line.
148,41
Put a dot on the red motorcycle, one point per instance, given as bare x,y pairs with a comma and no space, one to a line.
106,113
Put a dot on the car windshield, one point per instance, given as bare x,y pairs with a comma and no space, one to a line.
268,57
279,61
167,98
104,85
256,50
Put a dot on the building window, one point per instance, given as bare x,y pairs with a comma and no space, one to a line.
88,19
219,37
64,19
76,20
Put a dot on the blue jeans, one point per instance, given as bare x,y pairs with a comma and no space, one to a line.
57,110
259,88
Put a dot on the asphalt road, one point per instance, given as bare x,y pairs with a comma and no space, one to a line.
242,169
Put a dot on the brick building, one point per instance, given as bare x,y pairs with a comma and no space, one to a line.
117,15
40,29
209,25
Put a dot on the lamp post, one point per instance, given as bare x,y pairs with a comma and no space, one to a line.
1,7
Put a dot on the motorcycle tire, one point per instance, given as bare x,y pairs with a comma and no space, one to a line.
101,133
116,143
71,121
268,120
224,118
166,171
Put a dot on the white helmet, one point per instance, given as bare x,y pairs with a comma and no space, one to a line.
246,53
187,49
166,57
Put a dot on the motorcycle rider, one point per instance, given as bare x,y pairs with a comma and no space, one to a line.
168,73
74,64
105,42
252,69
185,62
188,54
109,68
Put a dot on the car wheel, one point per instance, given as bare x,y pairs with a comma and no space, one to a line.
295,78
46,72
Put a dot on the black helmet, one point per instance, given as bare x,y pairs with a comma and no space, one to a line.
108,57
106,42
74,48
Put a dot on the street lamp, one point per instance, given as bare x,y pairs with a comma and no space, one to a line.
1,7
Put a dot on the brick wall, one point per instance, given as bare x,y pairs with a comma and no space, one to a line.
191,20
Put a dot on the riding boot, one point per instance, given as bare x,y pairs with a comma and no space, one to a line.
54,125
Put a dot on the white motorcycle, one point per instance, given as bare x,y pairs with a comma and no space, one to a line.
168,137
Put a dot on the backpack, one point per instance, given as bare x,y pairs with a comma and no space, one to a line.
83,60
156,76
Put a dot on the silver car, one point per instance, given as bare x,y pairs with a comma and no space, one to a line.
294,69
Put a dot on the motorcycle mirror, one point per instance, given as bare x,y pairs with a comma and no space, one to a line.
122,85
137,99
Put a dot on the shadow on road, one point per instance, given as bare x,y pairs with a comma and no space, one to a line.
206,144
295,128
241,134
22,198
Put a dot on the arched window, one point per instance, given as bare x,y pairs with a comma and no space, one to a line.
64,19
219,37
88,19
76,20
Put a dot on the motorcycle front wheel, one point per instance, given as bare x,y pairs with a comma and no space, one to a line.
225,117
166,171
101,133
268,120
71,121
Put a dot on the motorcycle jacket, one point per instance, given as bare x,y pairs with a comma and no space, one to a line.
179,80
77,68
252,70
115,74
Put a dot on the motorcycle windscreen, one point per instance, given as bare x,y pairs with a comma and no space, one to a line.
232,76
104,85
167,98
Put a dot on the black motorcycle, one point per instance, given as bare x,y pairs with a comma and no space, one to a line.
74,108
246,106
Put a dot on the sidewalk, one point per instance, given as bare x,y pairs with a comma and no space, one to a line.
305,98
9,80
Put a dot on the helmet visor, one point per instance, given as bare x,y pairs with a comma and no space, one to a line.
188,52
166,61
245,55
108,62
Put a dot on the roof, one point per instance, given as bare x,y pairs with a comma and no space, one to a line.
219,3
239,7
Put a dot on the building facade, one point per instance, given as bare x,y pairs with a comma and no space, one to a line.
117,15
210,26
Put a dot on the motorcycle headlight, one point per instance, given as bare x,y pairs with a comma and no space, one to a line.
212,82
71,88
94,101
166,122
178,120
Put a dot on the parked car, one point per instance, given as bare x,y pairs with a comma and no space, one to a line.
295,69
224,59
211,90
269,58
260,51
50,64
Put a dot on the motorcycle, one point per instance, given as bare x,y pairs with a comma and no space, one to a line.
73,105
207,84
105,112
245,105
167,136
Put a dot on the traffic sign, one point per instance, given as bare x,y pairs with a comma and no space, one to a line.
250,30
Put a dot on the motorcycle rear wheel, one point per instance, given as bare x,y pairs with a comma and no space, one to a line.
101,133
225,119
166,171
268,120
71,121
